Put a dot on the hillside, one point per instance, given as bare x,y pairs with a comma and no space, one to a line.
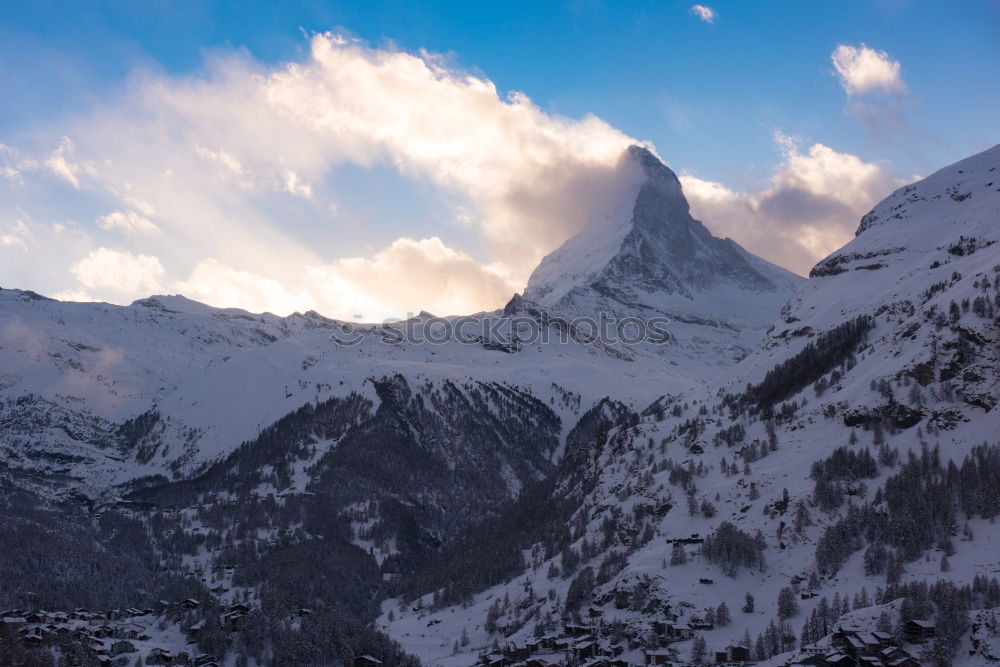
852,460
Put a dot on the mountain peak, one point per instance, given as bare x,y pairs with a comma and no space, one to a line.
645,240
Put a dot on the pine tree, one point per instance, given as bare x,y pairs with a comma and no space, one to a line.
722,616
698,650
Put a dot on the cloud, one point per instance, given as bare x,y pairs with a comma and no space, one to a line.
129,222
706,14
216,156
16,236
444,280
400,279
119,273
809,207
862,69
62,167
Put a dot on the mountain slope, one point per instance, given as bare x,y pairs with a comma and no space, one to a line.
883,366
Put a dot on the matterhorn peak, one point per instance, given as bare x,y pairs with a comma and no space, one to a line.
645,240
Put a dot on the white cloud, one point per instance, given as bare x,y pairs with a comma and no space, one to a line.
217,284
129,221
119,273
62,167
16,236
706,14
296,187
808,208
215,156
407,276
412,275
862,69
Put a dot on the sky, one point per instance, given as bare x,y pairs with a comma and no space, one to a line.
374,159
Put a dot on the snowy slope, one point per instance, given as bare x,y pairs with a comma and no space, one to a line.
215,377
925,375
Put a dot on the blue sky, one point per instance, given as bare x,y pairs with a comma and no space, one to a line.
739,102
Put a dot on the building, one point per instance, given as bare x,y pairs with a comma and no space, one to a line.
918,631
657,658
367,661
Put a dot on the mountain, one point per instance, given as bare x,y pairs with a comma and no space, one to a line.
644,256
844,475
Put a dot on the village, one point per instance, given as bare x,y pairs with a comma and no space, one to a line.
582,645
119,636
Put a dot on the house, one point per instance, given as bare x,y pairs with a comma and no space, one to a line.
159,656
366,661
584,650
203,659
903,661
677,631
234,620
884,639
242,608
190,603
599,661
657,657
122,646
734,653
840,660
918,631
550,660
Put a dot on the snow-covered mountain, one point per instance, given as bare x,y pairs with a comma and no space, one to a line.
644,256
852,461
216,377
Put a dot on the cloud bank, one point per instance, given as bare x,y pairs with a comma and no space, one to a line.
224,186
809,207
213,159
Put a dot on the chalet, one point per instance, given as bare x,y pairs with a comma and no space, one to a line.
195,628
122,646
563,643
599,661
808,595
518,653
584,650
677,631
840,660
34,617
159,656
492,660
203,659
734,653
550,660
657,658
811,660
366,661
305,611
705,581
700,624
130,631
903,660
918,631
594,612
242,608
576,630
234,620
